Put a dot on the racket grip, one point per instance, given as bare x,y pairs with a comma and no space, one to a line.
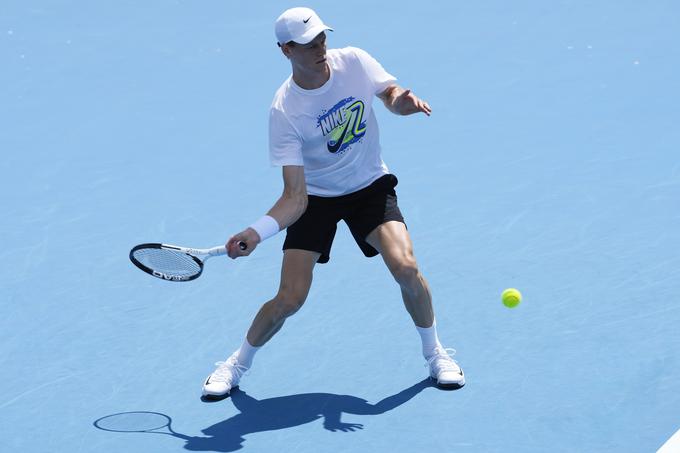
242,245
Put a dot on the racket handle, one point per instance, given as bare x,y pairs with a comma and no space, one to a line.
222,249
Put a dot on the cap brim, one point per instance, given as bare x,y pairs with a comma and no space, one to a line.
312,33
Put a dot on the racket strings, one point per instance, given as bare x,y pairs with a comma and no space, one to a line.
169,262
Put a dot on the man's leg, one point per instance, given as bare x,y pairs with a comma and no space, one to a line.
392,241
296,279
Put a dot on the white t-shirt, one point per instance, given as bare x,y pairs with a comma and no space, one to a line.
331,130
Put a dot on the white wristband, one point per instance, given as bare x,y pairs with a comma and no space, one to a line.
265,227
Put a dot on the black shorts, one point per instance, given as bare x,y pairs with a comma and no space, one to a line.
363,211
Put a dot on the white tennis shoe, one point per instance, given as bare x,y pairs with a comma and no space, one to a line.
224,378
444,370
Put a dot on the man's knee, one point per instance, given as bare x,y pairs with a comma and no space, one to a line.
289,300
405,271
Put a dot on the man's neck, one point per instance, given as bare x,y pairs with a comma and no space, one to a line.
308,80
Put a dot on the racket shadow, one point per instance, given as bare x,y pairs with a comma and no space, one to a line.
280,413
294,410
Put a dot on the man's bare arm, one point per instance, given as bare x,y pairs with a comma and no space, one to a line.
288,208
403,102
293,201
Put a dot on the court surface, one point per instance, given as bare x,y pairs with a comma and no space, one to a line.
551,164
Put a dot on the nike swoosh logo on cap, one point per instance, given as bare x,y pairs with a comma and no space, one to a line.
305,21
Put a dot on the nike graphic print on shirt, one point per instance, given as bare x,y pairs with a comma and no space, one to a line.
332,130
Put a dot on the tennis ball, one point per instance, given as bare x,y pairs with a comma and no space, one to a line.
511,297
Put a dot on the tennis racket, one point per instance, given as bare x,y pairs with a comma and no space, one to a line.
174,263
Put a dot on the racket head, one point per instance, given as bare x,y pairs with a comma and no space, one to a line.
134,422
166,262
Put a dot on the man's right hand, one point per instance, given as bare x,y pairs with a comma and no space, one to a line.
247,236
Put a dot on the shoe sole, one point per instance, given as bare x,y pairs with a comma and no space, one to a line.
452,386
213,398
208,398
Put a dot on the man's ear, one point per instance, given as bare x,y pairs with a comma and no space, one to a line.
285,49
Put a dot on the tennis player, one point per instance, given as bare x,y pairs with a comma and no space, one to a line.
324,134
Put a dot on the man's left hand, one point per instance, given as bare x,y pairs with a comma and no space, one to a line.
408,103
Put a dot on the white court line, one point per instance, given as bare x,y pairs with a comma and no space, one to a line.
672,445
35,389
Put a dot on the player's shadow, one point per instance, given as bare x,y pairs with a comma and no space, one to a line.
289,411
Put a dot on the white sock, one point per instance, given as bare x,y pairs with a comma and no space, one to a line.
246,353
428,335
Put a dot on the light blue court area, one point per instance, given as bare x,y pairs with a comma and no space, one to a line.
551,163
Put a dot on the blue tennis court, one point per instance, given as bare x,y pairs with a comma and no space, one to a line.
551,164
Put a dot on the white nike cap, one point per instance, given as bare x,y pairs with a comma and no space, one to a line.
300,25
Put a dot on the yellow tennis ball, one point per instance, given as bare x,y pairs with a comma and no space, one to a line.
511,297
